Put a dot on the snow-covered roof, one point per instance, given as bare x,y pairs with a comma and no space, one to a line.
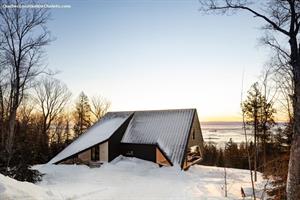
96,134
169,129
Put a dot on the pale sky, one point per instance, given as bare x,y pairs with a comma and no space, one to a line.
156,54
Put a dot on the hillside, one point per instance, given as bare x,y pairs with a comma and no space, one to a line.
129,178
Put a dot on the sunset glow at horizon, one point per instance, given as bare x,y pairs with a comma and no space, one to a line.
144,55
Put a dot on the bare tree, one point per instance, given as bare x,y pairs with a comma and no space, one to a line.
56,135
225,182
282,17
99,107
246,144
281,75
2,110
51,97
23,35
25,110
248,155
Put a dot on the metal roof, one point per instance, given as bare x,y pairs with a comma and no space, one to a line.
99,132
169,129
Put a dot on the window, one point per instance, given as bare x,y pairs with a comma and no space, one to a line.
193,134
95,153
129,153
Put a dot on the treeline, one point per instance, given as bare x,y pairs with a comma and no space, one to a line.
46,122
37,116
235,155
265,149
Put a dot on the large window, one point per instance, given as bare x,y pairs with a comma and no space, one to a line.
95,153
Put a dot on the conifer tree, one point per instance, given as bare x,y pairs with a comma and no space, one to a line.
251,107
231,154
82,115
220,159
260,115
67,132
266,123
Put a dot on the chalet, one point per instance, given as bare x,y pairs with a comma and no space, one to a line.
166,137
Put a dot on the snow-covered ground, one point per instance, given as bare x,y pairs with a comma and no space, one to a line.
129,178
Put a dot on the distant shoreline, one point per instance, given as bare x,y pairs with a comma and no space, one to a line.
231,122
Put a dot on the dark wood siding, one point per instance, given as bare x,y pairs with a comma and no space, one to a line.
115,139
142,151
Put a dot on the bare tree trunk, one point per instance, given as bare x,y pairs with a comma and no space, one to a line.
265,154
225,181
2,120
293,180
246,143
255,146
11,134
249,159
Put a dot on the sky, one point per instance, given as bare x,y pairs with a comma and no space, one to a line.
156,54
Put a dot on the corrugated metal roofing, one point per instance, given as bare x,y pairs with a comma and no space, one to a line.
169,129
98,133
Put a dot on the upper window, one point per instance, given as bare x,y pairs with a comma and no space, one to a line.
193,134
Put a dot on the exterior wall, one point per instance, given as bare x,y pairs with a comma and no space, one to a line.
85,156
115,141
160,158
195,141
142,151
198,140
70,160
103,152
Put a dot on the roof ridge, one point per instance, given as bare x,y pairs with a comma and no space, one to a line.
161,110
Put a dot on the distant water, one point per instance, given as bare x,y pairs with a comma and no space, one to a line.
220,132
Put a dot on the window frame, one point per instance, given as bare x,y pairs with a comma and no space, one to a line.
95,153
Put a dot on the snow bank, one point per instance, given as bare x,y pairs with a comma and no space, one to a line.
134,179
11,189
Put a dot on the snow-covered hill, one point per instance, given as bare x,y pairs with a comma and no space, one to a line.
129,178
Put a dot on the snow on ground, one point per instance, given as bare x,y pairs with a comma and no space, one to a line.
129,178
11,189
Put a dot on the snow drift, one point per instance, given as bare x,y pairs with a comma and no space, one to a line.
130,178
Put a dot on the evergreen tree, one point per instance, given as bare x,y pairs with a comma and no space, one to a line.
220,159
251,107
259,114
210,154
266,122
232,157
67,132
82,115
243,156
